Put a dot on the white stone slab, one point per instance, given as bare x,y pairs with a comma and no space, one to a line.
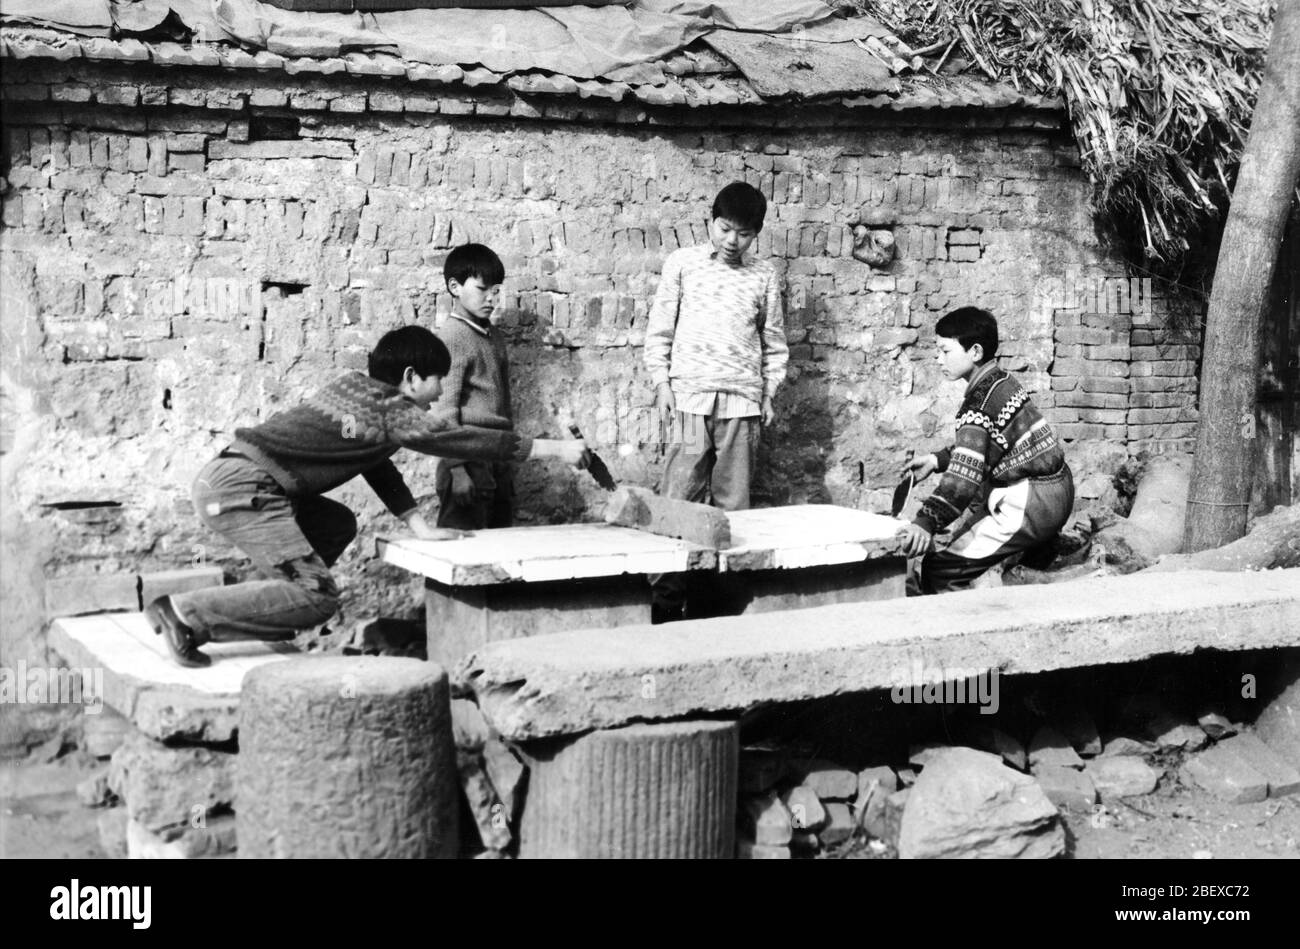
124,643
807,535
141,682
536,554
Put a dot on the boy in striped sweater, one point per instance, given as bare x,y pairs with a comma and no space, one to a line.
716,352
1005,455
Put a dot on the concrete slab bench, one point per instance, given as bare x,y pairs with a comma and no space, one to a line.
141,682
570,683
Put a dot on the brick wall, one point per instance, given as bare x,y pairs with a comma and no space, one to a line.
195,249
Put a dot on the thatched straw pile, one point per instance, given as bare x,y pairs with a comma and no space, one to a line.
1160,94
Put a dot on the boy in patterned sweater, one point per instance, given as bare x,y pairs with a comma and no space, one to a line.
263,492
716,352
1005,455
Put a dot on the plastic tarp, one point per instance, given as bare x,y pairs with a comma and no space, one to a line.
610,42
818,60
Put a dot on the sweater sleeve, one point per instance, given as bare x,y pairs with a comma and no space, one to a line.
662,323
453,383
964,468
429,434
387,482
775,351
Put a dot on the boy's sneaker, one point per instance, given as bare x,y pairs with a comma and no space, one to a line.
179,637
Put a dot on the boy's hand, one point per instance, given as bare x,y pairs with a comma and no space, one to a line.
665,404
421,529
463,489
916,539
921,467
769,411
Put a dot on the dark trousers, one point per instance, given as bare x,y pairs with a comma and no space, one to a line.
292,542
1020,516
711,461
494,497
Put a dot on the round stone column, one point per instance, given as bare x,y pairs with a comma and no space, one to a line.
664,790
346,757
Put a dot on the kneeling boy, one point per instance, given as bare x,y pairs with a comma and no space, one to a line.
263,492
1005,454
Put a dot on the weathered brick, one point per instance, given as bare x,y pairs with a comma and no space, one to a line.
1103,416
1115,351
157,158
1166,430
348,103
961,254
1103,384
1077,431
389,102
1089,367
137,157
173,186
186,161
117,95
70,92
1155,416
1160,400
1163,384
27,92
1090,337
93,593
1165,368
194,98
1092,400
1164,353
269,98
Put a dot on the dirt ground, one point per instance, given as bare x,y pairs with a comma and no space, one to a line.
40,816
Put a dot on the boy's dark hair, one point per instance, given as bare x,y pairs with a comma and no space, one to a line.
474,260
741,204
412,346
968,326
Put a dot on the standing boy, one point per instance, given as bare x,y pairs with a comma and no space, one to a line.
1005,452
473,495
716,352
263,492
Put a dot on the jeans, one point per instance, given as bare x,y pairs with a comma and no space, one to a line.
1019,517
292,541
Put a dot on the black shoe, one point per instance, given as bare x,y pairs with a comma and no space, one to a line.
660,613
179,637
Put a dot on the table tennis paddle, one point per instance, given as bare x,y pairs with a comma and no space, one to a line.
596,466
901,495
903,491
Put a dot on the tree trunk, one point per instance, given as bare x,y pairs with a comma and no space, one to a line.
1221,474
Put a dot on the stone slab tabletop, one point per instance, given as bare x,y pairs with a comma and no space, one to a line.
807,535
536,554
141,682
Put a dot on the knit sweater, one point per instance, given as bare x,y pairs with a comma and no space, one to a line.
352,427
476,391
717,327
1001,439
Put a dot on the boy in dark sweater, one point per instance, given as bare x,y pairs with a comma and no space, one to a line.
263,492
475,494
1005,455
